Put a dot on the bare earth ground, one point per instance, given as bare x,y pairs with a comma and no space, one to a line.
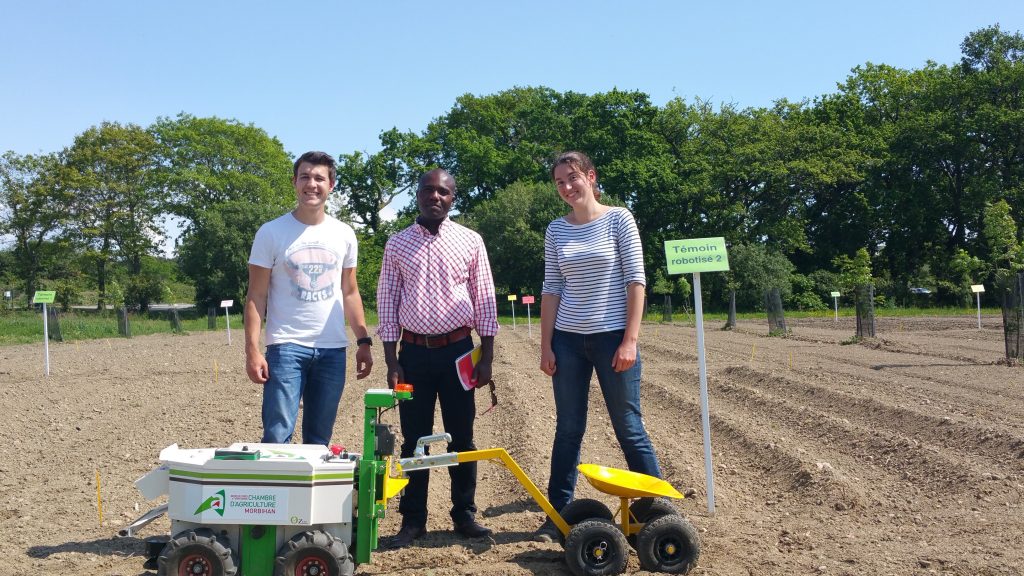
901,456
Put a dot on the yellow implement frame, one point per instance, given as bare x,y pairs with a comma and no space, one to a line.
622,483
501,455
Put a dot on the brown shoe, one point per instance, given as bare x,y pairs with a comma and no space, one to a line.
473,529
405,536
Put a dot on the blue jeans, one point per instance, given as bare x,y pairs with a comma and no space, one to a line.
317,376
576,358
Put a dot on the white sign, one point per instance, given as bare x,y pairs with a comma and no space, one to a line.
834,294
251,505
225,304
693,256
7,293
978,289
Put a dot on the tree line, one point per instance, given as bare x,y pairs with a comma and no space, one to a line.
914,178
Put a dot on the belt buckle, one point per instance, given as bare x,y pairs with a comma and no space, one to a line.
442,340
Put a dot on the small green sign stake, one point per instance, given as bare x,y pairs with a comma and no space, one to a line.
694,256
45,297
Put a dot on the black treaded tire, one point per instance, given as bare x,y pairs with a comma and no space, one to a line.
644,510
647,509
583,509
668,544
313,553
197,552
596,547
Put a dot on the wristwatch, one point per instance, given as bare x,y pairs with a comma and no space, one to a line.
364,340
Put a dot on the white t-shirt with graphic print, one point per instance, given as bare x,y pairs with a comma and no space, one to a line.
305,304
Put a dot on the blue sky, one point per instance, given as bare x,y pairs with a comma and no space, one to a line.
333,75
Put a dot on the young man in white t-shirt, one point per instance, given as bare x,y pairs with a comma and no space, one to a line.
302,280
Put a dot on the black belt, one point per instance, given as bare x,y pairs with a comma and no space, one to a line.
436,340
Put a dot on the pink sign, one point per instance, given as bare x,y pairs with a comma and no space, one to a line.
527,299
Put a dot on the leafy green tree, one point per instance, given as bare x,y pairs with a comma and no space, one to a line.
33,211
116,208
204,162
368,183
661,285
758,268
805,296
965,270
990,48
214,251
115,294
1001,234
667,287
992,74
512,224
151,284
489,142
855,271
371,255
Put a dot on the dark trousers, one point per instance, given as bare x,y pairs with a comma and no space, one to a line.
432,373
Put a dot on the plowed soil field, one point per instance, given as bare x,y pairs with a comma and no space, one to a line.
902,455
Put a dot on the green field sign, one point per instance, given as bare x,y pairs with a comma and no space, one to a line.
696,255
44,296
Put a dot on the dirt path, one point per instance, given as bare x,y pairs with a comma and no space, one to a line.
900,456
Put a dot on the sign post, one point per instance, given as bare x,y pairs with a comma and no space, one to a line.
225,304
9,298
45,297
512,299
835,302
529,319
978,289
694,256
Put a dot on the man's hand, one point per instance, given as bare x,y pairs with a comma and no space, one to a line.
482,372
364,361
256,367
395,374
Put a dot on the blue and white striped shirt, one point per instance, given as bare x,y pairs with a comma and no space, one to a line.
589,266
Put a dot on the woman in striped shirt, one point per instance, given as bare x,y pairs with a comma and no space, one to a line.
593,298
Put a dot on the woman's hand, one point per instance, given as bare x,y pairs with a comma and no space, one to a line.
625,356
547,361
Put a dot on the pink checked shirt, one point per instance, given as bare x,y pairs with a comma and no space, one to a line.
434,284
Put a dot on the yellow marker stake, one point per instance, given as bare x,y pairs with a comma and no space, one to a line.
216,372
108,343
99,500
790,360
752,348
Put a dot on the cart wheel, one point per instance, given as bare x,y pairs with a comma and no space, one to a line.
583,509
596,547
313,553
647,509
196,553
668,544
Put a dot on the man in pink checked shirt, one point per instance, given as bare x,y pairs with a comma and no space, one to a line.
436,287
